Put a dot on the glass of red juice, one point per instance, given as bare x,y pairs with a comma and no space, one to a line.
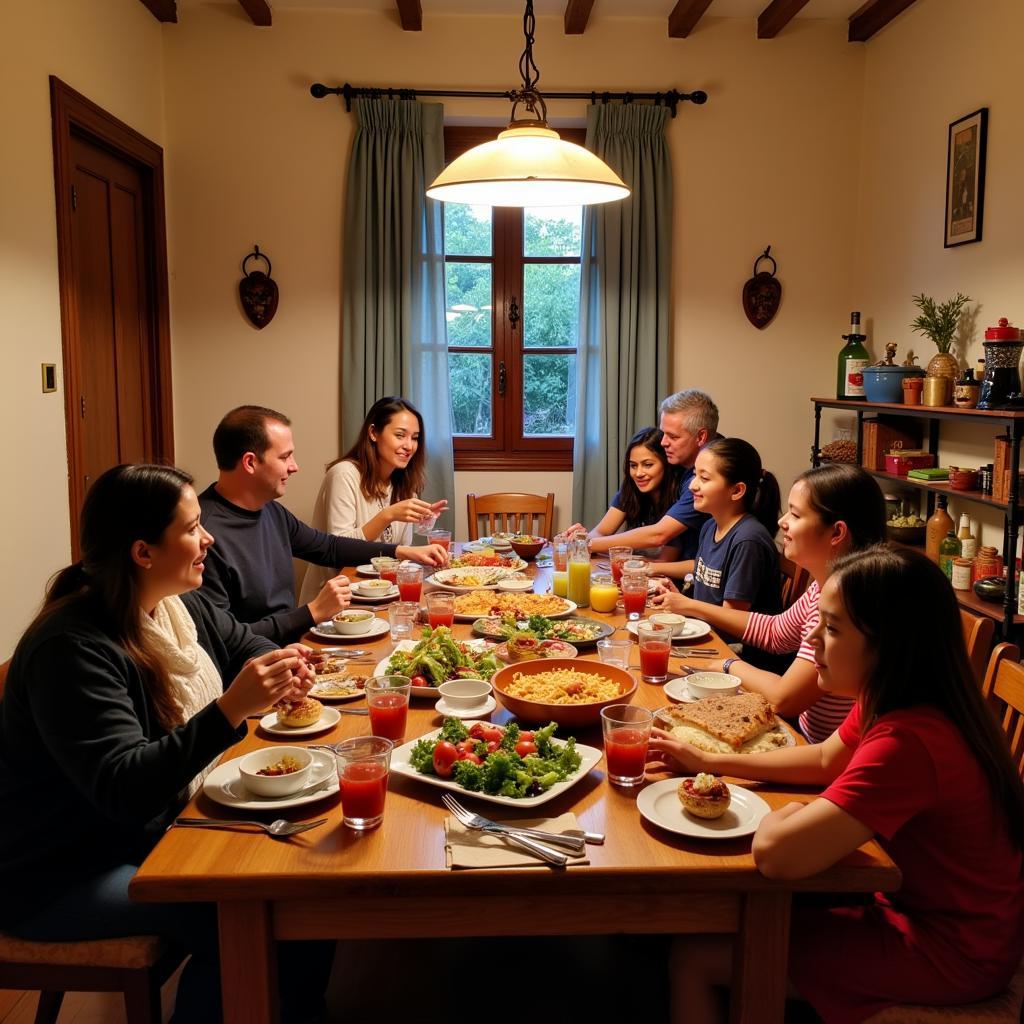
617,557
655,645
442,537
387,697
440,609
626,729
387,568
410,583
363,764
634,594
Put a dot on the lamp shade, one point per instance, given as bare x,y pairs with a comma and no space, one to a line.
528,166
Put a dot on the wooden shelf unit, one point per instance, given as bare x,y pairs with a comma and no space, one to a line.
1012,420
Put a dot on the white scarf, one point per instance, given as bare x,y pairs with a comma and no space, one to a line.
195,681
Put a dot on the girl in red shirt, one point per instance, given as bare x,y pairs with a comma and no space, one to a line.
921,765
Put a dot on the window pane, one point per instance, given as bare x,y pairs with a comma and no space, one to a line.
467,230
471,393
549,395
468,303
552,231
551,304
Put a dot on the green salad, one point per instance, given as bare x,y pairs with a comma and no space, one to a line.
439,657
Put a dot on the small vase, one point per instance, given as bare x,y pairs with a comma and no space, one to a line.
944,364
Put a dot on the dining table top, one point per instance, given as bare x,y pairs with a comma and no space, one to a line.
393,882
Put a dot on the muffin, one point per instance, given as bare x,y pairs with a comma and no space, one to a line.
296,714
704,796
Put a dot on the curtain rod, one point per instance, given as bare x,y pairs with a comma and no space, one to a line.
671,98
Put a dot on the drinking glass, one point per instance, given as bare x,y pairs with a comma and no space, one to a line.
634,594
615,652
387,567
560,583
603,593
440,609
410,583
388,700
402,617
363,764
655,644
626,729
423,528
560,553
617,556
442,537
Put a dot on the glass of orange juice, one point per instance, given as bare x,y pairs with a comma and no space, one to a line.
603,593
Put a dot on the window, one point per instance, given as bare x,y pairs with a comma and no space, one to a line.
512,294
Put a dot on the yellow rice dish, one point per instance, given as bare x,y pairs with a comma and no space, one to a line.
562,686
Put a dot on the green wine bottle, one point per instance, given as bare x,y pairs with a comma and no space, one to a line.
949,549
853,357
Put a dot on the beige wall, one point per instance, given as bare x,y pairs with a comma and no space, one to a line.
770,160
111,52
932,66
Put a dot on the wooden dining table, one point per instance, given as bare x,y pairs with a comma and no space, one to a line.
393,882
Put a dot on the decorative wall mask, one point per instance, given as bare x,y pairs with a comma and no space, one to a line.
258,292
762,293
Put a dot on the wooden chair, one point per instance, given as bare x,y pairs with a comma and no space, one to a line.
979,632
1004,686
137,966
794,581
510,512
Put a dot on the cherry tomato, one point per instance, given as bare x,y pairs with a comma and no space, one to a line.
445,755
466,746
476,730
419,681
492,746
470,756
526,736
524,747
487,733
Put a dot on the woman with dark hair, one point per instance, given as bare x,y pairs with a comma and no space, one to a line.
650,486
114,709
832,510
372,492
920,764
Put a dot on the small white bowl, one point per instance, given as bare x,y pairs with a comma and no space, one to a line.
275,785
677,622
713,684
516,583
465,693
351,623
372,588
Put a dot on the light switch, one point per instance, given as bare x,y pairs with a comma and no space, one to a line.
49,377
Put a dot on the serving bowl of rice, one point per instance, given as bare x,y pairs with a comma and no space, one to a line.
570,691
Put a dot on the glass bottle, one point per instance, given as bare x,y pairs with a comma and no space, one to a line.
939,524
968,542
853,357
948,550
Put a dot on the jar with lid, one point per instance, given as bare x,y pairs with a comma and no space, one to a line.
987,562
960,575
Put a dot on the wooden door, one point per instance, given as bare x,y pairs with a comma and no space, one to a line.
113,282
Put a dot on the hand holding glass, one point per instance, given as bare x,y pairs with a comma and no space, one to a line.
627,730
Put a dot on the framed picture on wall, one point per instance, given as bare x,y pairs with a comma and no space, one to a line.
965,178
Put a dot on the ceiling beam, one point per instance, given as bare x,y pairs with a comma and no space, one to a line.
162,10
684,17
577,13
873,17
258,11
776,16
410,14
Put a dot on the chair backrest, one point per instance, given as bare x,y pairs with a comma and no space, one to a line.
795,580
510,512
979,632
3,675
1004,688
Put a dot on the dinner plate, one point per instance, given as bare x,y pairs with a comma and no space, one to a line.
387,595
224,785
570,607
325,631
678,690
517,564
408,645
555,649
334,698
366,570
660,805
328,719
400,766
694,629
447,579
444,708
663,722
481,627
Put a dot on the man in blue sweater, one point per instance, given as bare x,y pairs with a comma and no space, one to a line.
249,568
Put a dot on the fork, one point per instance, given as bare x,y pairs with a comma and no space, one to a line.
279,829
553,857
478,821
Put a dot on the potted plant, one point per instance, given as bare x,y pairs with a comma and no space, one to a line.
938,321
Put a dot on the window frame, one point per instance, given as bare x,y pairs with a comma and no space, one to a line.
508,448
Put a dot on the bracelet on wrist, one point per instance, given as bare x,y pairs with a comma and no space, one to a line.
728,664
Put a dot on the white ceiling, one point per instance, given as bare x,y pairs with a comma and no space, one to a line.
839,9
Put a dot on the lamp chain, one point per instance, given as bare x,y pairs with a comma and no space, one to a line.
528,95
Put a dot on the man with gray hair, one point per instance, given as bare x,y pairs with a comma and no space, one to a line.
689,421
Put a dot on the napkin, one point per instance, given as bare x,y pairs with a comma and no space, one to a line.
472,848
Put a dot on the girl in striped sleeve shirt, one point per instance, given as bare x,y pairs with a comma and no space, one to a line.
833,510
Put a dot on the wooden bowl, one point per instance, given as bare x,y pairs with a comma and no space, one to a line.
528,549
571,715
905,534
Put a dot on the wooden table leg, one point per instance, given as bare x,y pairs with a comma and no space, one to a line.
248,963
759,960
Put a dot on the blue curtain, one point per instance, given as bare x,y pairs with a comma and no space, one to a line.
622,370
393,327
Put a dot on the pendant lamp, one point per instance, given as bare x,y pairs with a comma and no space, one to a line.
528,164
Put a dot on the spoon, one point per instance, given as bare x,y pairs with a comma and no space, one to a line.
280,829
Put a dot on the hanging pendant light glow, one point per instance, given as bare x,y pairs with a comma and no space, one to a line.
528,164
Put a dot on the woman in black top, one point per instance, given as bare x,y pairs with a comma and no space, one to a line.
114,707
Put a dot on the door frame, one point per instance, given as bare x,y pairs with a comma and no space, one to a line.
73,114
